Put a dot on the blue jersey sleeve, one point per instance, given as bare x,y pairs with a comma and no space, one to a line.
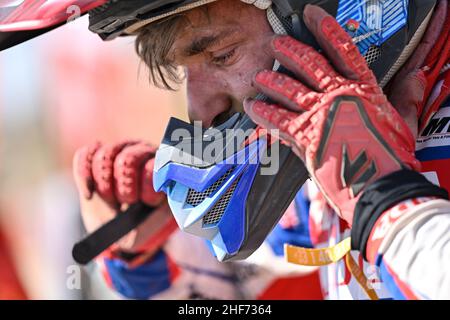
141,282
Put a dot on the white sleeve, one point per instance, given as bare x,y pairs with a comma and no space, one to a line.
414,256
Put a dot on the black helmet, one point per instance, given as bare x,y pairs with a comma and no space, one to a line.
386,31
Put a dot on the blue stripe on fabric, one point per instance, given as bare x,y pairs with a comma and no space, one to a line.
389,281
433,153
209,273
142,282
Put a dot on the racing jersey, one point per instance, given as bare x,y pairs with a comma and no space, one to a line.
412,261
184,268
326,229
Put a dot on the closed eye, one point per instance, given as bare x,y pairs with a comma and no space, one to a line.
224,59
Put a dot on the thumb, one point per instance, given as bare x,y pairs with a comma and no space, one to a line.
406,96
148,193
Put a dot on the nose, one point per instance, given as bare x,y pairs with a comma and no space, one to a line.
206,95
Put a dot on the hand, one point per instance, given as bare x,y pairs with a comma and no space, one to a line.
335,118
111,177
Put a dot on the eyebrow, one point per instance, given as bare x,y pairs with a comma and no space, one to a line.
203,43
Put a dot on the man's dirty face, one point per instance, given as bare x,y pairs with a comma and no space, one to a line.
221,49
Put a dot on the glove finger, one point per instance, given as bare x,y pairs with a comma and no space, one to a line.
306,63
337,44
271,117
148,194
290,93
103,170
82,169
127,172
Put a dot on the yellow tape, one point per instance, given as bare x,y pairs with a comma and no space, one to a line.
326,256
360,277
316,257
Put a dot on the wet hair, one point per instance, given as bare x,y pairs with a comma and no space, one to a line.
153,44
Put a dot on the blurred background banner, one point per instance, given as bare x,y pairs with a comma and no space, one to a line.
59,92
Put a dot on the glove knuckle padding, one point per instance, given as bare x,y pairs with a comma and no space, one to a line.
308,64
343,52
103,170
128,169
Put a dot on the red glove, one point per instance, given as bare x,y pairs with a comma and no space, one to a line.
110,177
336,119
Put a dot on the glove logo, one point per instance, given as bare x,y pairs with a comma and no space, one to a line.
350,170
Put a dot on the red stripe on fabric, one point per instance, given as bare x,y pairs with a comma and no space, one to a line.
157,240
174,270
442,41
385,223
305,287
400,284
441,167
105,273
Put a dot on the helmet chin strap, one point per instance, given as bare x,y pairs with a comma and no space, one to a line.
278,28
284,11
260,4
272,18
285,18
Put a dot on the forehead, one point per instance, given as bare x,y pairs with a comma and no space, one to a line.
217,12
211,18
208,22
